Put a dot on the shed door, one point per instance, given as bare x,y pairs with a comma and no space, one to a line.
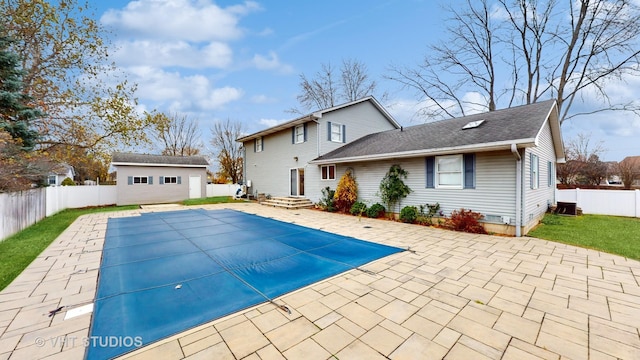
195,187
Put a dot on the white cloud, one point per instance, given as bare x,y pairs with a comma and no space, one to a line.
174,53
271,62
183,93
189,20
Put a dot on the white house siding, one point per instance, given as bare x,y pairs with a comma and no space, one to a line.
156,193
269,169
494,193
360,119
537,201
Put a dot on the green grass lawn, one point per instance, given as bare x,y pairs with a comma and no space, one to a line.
612,234
212,200
19,250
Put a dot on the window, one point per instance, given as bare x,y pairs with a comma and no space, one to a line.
551,178
299,134
336,132
169,180
131,180
328,172
52,180
449,171
258,145
535,170
140,180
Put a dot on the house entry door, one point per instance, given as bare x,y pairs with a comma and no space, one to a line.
296,182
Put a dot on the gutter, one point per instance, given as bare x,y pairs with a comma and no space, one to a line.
495,146
519,182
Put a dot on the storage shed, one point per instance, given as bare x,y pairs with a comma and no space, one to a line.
157,179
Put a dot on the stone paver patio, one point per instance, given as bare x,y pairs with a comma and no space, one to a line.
453,296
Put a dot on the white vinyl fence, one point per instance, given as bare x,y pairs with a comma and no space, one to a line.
222,189
603,202
24,208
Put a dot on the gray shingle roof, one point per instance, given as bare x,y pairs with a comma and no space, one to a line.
143,159
517,124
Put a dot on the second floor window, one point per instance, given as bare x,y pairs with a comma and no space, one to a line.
299,134
258,144
336,132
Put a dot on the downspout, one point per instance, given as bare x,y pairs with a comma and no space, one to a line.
516,154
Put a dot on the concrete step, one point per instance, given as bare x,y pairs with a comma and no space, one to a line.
288,202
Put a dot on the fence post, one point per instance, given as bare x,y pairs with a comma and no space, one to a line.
578,197
637,203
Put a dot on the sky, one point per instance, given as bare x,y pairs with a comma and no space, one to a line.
219,60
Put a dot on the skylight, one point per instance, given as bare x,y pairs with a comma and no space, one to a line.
473,124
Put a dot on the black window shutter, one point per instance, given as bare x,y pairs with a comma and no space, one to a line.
469,171
329,130
130,180
255,144
261,143
430,164
304,127
293,135
344,133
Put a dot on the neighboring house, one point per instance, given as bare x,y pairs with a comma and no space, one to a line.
277,160
500,164
58,173
155,179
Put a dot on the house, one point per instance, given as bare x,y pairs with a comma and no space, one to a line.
59,172
500,164
277,160
154,179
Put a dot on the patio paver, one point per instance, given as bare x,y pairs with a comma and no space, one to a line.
453,296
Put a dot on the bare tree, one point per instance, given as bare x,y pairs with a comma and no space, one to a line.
228,150
327,89
629,169
552,49
583,165
177,134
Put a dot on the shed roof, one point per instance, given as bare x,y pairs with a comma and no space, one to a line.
500,129
129,159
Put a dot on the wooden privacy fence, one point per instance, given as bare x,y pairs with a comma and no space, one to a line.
24,208
20,210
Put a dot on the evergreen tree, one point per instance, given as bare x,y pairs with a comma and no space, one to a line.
15,111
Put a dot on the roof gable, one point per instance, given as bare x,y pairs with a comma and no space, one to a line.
317,115
518,125
129,159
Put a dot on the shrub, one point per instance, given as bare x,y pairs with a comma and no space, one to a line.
392,188
346,193
409,214
326,203
68,182
358,208
426,218
465,220
375,211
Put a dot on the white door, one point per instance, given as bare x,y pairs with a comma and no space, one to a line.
195,187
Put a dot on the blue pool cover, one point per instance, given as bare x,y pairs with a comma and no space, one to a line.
164,273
